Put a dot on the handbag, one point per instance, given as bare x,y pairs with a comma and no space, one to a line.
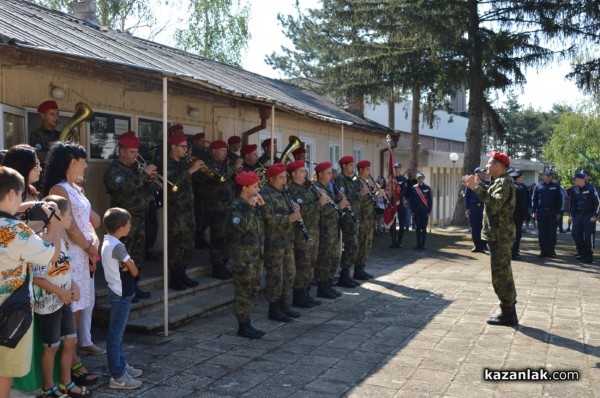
15,316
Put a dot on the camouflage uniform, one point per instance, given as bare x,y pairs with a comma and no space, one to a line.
180,215
246,235
499,231
232,157
305,253
366,229
247,167
41,139
129,188
328,256
265,159
350,188
279,245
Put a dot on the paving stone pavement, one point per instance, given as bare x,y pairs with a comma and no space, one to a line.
417,330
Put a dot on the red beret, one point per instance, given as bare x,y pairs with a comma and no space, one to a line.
234,140
363,163
246,178
176,139
266,143
218,144
346,160
129,140
298,151
246,149
175,129
501,157
295,165
275,169
46,106
323,166
199,136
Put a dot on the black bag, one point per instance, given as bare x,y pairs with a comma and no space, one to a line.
15,316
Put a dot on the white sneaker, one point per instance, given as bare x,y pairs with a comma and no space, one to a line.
133,372
124,382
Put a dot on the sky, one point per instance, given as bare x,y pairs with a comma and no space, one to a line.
543,89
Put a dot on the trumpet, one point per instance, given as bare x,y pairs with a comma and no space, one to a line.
212,173
159,179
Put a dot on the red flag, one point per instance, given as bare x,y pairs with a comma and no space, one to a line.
390,215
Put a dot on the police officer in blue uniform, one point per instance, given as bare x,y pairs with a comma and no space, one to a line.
546,203
587,179
521,209
421,203
474,210
398,234
583,213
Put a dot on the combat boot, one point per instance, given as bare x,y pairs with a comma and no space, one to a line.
345,280
299,299
325,291
246,330
220,271
310,299
189,282
275,314
285,308
506,317
360,273
176,282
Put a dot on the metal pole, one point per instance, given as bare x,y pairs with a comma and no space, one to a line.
342,146
165,111
272,133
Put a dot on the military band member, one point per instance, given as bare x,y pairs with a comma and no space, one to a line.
421,203
247,236
250,155
199,147
279,244
42,137
234,142
299,154
305,252
131,188
175,129
181,222
353,191
265,158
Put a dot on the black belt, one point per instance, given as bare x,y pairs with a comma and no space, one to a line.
548,208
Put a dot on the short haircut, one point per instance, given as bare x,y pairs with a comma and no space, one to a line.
115,218
61,203
10,179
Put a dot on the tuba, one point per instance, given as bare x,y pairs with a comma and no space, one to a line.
83,114
294,144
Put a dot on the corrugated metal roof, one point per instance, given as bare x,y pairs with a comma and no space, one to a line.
28,25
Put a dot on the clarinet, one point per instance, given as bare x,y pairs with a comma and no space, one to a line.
371,194
385,198
307,237
341,195
331,202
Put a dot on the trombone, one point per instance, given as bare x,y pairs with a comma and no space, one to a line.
159,179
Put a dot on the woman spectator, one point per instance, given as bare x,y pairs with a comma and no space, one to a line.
23,159
65,167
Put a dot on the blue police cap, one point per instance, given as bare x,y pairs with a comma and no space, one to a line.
479,170
548,173
579,175
515,173
397,165
585,172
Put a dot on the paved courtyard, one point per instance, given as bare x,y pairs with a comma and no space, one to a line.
417,330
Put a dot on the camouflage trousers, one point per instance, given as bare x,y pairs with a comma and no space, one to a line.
246,284
350,240
502,277
181,242
328,256
135,241
281,271
151,226
366,230
305,258
218,238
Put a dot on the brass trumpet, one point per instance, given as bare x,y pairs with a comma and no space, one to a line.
159,180
212,173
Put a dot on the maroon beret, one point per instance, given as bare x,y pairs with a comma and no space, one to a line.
218,144
46,106
129,140
323,166
501,157
295,165
298,151
246,178
275,170
266,143
176,128
234,140
246,149
363,163
199,136
176,139
346,160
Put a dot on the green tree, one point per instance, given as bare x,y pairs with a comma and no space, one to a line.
217,29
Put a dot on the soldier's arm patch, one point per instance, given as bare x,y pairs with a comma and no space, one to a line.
236,220
299,201
119,179
342,190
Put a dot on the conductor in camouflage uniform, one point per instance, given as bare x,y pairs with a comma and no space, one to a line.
180,215
279,216
353,191
42,137
130,188
499,231
305,252
246,236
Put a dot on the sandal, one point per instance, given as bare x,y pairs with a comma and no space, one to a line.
53,392
82,378
69,387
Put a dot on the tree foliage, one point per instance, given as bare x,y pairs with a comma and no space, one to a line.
217,29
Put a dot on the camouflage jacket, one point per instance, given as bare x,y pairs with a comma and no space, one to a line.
219,195
181,203
128,187
265,160
351,188
328,214
41,140
279,232
247,232
499,199
367,207
232,156
310,209
247,167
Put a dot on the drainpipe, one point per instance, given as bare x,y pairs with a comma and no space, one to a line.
265,114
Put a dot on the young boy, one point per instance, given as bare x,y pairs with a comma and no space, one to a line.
120,272
18,246
53,292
